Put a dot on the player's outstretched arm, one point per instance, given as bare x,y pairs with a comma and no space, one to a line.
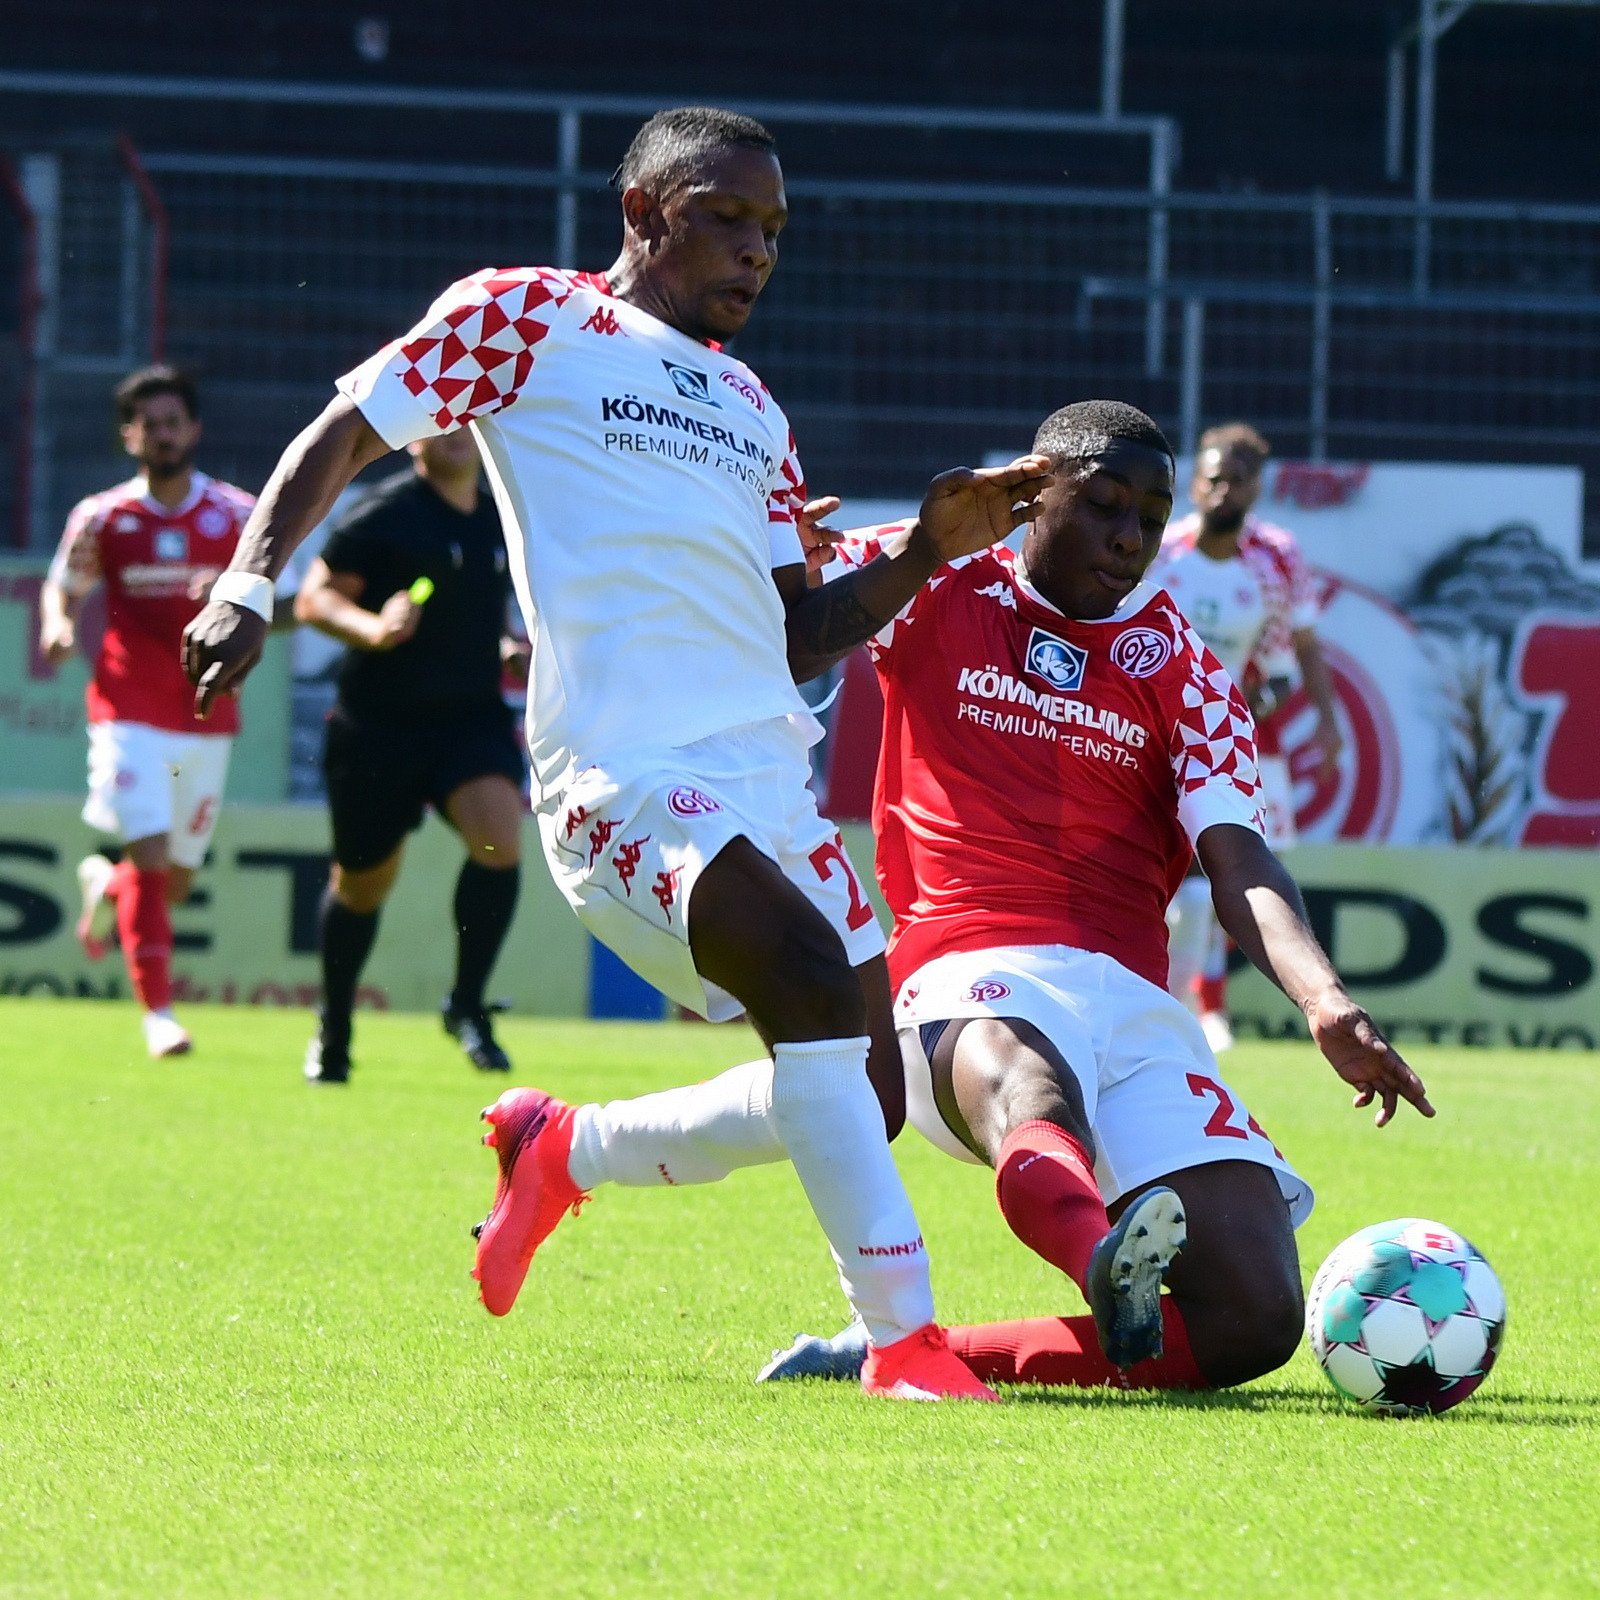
224,641
1261,909
964,511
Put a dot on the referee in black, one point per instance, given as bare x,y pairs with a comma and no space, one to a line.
419,720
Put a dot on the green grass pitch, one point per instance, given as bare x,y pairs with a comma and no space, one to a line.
240,1354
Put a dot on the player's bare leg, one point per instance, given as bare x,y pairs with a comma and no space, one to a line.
1007,1092
347,927
754,934
487,812
1234,1311
885,1070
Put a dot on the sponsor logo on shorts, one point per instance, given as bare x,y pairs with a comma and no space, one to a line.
687,802
626,861
987,990
1141,652
665,889
1059,663
911,1247
745,390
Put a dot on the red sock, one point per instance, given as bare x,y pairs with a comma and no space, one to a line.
1213,993
145,931
1044,1181
1065,1352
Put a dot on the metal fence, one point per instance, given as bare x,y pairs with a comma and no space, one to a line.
915,323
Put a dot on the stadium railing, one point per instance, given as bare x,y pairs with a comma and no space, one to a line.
916,321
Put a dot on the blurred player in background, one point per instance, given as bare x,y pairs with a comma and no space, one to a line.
156,770
1056,741
1244,585
414,579
656,512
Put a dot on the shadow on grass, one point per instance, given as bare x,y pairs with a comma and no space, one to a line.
1496,1407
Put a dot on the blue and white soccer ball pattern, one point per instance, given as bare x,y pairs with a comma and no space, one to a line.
1406,1317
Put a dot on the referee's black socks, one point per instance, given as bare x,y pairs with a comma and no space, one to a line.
486,901
346,938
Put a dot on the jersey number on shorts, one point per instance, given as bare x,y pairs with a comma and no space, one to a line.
1219,1125
203,813
823,858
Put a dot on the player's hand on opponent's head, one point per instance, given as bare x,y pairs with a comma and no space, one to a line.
971,508
220,647
816,539
1360,1054
395,622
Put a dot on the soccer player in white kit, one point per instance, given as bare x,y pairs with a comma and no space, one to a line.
1243,584
655,514
156,771
1056,740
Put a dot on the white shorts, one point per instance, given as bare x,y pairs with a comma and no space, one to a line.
626,845
1277,800
145,781
1155,1100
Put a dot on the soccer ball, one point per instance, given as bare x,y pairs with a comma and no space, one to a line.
1406,1317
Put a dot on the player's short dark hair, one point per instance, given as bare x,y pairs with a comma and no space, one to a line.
1237,438
148,382
674,145
1083,430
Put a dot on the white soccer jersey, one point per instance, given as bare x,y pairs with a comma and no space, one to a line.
1247,608
647,484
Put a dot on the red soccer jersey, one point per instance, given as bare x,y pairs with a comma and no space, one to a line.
157,565
1041,778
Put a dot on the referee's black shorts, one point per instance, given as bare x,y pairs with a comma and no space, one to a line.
382,775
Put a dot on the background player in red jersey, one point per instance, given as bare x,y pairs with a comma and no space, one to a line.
156,772
1055,737
1245,587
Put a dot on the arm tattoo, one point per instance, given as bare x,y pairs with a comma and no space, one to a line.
831,621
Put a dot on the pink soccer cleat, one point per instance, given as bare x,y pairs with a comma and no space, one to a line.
921,1366
531,1133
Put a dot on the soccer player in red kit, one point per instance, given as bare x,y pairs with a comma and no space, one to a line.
1056,739
156,772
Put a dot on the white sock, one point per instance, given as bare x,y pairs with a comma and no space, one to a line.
832,1127
697,1134
1190,919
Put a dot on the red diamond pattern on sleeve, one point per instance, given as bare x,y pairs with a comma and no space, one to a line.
1213,746
469,357
76,564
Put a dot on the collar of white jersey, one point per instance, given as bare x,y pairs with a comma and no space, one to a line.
1136,599
198,484
601,284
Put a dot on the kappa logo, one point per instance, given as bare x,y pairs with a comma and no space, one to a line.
1060,664
626,861
600,837
575,820
171,544
127,523
213,523
687,802
745,390
1141,652
987,990
603,320
690,384
665,889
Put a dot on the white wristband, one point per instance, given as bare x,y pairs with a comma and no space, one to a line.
247,590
